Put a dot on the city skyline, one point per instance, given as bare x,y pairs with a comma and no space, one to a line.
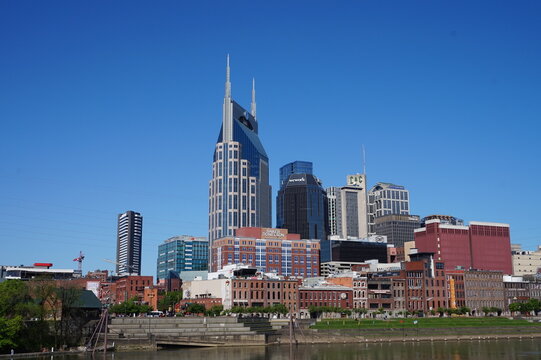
444,98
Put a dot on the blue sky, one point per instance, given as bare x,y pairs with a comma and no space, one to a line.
109,106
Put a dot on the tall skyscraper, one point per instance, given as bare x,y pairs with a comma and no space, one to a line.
348,211
182,253
295,167
301,207
128,245
239,192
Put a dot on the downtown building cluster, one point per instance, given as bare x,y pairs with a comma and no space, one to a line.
351,246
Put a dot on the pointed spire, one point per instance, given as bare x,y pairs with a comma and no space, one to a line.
227,118
227,79
252,105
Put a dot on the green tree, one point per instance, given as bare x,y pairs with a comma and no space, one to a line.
463,310
169,300
535,305
279,309
215,310
515,307
196,308
10,329
15,299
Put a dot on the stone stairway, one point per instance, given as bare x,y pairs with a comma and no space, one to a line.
193,331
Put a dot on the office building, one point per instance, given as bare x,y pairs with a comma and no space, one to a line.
295,167
347,209
332,195
269,250
397,228
526,262
301,207
389,199
239,192
354,250
182,253
481,245
128,246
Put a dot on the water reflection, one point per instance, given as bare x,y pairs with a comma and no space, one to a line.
466,350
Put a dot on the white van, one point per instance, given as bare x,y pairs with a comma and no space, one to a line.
155,314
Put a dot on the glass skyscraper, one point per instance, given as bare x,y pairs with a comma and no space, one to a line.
182,253
295,167
301,207
239,192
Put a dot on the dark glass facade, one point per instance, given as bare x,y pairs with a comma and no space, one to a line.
352,251
295,167
301,207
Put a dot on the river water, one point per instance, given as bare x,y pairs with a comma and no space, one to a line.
463,350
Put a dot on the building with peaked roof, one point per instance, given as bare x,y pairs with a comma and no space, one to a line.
239,191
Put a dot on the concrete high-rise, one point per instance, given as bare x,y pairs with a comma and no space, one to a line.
386,199
239,192
128,245
301,207
398,228
347,208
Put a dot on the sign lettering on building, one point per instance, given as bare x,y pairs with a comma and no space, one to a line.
270,233
356,180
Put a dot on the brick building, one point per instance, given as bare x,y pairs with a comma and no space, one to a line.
483,288
480,245
265,292
325,295
128,287
357,282
269,250
455,288
426,286
379,293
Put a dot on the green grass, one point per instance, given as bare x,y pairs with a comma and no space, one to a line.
421,323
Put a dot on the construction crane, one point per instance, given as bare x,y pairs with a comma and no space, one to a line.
129,267
80,261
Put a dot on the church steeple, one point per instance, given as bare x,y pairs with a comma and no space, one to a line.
252,105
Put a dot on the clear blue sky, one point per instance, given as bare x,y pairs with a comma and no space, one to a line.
107,106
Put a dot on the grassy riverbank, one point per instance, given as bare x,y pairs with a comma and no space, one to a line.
414,323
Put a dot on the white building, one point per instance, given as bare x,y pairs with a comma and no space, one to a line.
348,212
526,262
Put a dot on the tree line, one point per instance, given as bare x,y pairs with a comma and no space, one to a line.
39,314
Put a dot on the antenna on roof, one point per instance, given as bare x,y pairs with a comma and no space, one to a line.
364,161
